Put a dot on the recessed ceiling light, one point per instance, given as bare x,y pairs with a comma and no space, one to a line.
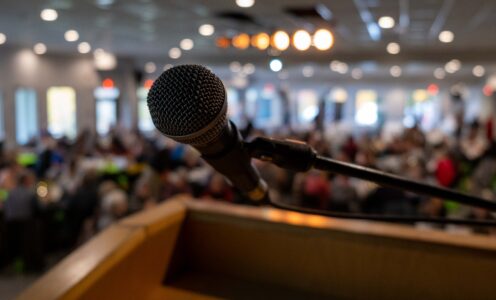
275,65
104,3
356,73
104,60
206,29
446,36
235,66
323,39
40,49
245,3
175,53
280,40
338,66
452,66
386,22
3,38
393,48
186,44
84,47
439,73
150,67
71,35
302,40
395,71
49,15
167,67
478,71
249,68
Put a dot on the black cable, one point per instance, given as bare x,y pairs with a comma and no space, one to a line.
384,218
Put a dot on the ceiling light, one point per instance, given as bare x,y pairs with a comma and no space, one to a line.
446,36
150,67
222,42
104,61
275,65
439,73
84,48
452,66
235,67
261,41
356,73
49,15
175,53
393,48
3,38
249,68
302,40
104,3
206,29
245,3
186,44
280,40
40,49
386,22
323,39
71,35
167,67
241,41
338,66
395,71
478,71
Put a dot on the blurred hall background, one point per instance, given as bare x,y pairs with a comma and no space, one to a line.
403,86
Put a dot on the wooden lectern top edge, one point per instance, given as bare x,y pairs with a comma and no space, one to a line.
362,227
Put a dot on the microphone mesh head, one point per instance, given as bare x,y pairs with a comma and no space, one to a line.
188,104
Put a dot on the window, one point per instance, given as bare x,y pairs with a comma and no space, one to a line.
422,108
307,106
145,122
106,108
335,104
26,115
61,110
366,108
264,107
234,107
2,120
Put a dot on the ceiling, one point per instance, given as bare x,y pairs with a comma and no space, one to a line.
145,30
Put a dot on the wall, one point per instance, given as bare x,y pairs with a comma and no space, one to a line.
23,68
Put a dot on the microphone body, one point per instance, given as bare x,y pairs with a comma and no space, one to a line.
188,104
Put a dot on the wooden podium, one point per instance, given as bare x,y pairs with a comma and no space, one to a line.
196,249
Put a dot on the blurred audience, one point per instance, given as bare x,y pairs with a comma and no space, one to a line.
66,193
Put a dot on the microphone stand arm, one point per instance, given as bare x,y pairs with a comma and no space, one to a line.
300,157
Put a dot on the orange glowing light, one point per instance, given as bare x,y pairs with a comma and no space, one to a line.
108,83
433,89
223,42
487,90
260,41
148,84
280,40
294,218
241,41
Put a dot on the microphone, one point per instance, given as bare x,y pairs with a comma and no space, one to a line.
188,104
